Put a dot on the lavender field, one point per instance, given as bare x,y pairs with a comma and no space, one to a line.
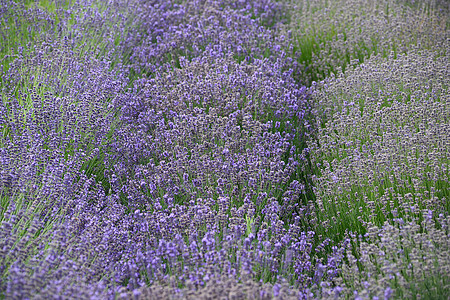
224,149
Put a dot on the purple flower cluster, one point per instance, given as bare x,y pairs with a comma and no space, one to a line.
165,149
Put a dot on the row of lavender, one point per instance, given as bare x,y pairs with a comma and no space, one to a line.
166,149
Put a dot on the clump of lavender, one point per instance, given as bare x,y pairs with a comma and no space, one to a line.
94,28
55,116
61,99
261,90
382,148
330,36
102,27
239,94
170,248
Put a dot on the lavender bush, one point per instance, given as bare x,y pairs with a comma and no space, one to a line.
382,157
384,144
224,149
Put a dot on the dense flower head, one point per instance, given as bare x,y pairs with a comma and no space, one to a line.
238,149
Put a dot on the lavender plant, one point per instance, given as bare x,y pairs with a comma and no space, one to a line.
244,93
53,124
61,99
